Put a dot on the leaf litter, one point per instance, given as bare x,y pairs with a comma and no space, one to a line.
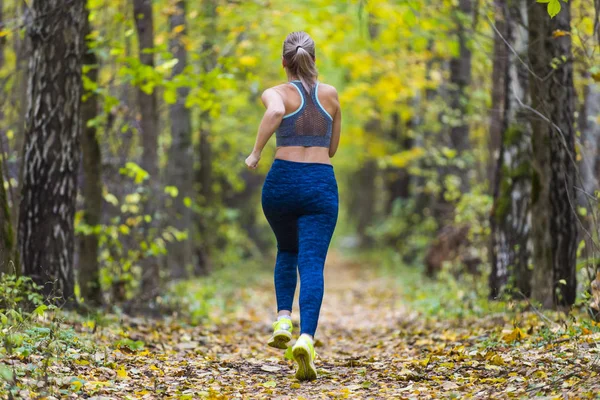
371,344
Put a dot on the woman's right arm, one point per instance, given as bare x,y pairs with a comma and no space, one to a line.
269,124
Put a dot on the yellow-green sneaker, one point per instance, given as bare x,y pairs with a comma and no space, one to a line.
304,354
282,333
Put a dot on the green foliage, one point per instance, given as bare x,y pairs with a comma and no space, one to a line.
553,6
129,238
20,298
405,230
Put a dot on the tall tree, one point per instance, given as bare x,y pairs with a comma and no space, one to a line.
499,72
460,79
6,232
51,151
554,225
89,268
587,184
510,221
204,173
147,103
22,49
590,141
180,170
148,108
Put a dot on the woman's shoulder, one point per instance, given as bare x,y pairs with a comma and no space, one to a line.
327,90
281,89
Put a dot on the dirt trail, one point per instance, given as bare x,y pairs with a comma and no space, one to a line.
360,315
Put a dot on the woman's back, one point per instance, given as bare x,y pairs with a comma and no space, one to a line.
292,101
307,151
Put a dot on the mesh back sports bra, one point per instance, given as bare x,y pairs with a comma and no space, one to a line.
309,125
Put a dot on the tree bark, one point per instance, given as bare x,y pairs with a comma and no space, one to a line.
143,15
510,222
590,140
6,231
554,225
51,152
587,184
89,268
460,78
180,170
148,108
22,49
499,72
204,174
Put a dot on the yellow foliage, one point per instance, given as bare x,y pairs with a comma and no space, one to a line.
248,61
516,335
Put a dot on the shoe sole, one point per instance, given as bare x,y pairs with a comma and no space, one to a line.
306,368
280,339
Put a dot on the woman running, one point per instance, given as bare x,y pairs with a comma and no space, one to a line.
300,193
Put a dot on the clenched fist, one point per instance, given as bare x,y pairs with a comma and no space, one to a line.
252,160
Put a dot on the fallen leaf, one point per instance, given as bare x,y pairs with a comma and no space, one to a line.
270,368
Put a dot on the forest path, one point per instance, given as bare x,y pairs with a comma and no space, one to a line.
369,346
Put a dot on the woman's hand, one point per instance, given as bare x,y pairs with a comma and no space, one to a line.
252,160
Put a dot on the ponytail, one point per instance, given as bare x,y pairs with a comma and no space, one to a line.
299,53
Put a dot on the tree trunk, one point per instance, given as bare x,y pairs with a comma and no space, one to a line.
6,232
89,268
51,152
180,171
142,10
554,225
22,49
500,68
148,108
590,140
204,174
460,78
587,184
510,221
362,204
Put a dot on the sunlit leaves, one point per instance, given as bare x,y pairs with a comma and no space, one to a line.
134,171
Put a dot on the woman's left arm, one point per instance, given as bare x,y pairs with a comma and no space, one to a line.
269,124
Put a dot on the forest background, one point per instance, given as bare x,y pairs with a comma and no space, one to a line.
468,163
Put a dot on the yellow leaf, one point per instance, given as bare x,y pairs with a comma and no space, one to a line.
496,360
558,33
76,385
516,334
179,28
122,374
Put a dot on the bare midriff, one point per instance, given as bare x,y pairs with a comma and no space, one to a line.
311,154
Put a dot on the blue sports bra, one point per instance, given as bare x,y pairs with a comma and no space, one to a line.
309,125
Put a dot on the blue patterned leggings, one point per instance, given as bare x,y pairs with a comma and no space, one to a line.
300,201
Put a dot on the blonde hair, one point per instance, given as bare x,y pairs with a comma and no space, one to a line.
299,54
